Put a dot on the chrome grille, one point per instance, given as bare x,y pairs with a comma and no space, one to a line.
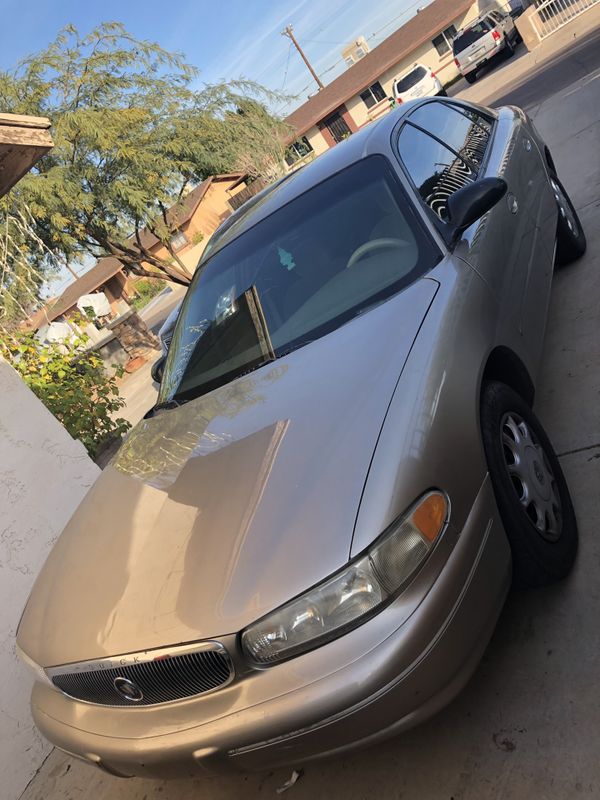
146,679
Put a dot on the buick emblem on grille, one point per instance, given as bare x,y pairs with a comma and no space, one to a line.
128,689
147,678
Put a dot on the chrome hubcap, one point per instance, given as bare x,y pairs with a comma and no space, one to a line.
531,476
564,208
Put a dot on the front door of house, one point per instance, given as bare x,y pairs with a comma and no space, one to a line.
337,126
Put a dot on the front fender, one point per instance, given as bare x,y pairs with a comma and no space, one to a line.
431,435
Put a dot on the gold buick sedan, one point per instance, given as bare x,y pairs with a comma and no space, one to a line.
305,545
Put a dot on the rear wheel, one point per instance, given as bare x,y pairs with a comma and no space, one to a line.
442,92
530,488
571,243
471,77
509,48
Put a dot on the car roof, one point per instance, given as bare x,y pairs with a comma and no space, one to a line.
369,140
477,19
415,66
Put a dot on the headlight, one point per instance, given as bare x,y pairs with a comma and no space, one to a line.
38,672
355,593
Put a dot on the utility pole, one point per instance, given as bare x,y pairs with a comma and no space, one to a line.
289,32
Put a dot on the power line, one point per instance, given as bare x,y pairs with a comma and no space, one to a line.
287,66
289,32
374,35
394,19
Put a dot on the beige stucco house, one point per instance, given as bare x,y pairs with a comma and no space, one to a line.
196,218
361,93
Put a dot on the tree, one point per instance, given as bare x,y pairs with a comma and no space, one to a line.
132,136
25,263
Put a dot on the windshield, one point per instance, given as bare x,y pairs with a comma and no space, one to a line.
410,80
463,40
306,269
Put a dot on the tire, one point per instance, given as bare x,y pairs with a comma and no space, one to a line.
528,485
442,93
509,48
471,77
571,243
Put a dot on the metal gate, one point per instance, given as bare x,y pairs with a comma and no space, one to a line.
551,15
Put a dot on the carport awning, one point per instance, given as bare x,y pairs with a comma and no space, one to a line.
23,140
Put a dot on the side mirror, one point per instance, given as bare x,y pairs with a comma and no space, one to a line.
157,369
470,203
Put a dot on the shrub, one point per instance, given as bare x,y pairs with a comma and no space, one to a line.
72,384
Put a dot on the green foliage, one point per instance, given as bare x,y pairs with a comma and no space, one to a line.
72,384
24,263
146,289
132,134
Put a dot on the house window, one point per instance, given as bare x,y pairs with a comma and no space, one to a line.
373,95
178,240
298,150
443,42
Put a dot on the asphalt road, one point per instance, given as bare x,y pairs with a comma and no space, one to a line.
581,60
159,308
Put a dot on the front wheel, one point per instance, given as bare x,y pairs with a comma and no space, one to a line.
530,488
571,243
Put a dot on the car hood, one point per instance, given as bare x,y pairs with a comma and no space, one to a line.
218,511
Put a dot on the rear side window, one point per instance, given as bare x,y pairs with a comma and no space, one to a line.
467,134
471,35
435,170
410,80
444,153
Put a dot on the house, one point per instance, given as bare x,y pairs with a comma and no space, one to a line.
193,220
361,93
197,217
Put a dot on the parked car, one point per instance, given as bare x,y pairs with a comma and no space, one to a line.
485,38
306,545
419,81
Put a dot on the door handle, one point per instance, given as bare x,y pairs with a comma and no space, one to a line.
513,203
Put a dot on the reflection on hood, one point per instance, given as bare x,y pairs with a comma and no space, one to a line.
158,448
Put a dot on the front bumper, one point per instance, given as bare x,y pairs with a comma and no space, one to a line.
403,673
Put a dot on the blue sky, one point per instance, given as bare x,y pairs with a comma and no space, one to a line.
225,40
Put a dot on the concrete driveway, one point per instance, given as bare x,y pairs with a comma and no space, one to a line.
527,724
